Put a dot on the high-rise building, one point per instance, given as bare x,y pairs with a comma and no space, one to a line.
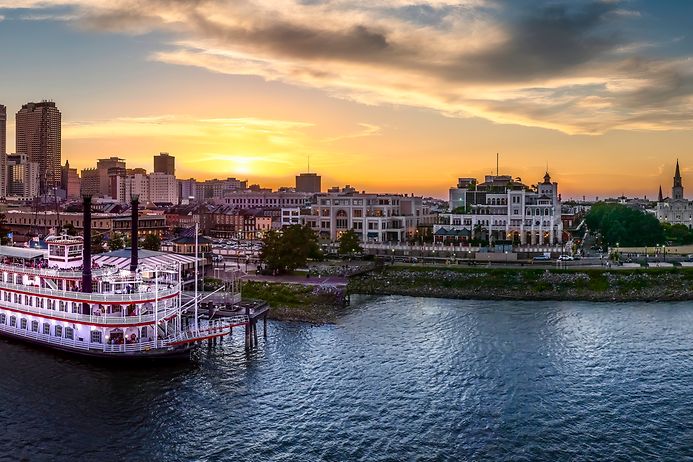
163,188
70,182
97,181
38,136
22,176
308,182
165,163
3,151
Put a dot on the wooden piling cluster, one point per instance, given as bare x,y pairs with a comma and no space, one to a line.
254,315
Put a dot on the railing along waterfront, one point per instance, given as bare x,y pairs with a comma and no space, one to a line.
90,318
105,298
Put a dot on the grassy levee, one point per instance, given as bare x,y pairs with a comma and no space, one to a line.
528,283
296,302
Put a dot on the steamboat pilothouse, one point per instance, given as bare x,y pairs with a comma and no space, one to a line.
65,301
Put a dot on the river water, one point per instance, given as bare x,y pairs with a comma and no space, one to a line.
395,379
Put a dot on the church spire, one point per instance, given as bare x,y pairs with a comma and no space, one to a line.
677,190
660,197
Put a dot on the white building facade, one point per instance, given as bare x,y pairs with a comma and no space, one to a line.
676,210
246,199
374,217
503,209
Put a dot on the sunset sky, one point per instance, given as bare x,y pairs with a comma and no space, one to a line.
387,95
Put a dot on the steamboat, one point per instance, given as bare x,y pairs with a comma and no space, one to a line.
65,301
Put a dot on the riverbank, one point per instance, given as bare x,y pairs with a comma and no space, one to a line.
528,284
297,302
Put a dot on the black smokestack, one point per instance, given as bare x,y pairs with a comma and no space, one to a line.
86,252
133,233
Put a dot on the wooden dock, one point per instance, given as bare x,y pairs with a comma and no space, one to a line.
253,310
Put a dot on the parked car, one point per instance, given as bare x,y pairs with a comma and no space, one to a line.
542,258
566,258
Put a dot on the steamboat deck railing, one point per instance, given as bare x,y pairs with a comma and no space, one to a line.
104,298
57,273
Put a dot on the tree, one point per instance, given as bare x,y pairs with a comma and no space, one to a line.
288,249
68,229
116,242
152,242
618,224
349,243
97,243
4,230
678,234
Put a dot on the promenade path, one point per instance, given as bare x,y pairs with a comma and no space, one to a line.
335,281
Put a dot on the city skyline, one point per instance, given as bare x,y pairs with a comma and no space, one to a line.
610,117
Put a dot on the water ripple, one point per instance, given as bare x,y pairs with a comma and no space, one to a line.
395,379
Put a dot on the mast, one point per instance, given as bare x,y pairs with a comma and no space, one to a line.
196,276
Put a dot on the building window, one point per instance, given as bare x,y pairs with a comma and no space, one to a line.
22,324
2,318
13,321
47,328
69,333
58,331
34,326
96,336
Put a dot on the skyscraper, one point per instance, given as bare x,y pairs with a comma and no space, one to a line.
165,163
38,136
3,151
308,182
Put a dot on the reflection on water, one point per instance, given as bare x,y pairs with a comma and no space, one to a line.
395,379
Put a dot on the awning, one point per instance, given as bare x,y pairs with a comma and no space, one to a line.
149,258
20,252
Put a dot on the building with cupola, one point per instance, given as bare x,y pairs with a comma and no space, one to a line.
676,210
502,208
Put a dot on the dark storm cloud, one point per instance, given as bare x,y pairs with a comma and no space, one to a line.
543,45
548,44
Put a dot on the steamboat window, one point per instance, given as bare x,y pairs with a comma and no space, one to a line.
34,326
69,333
46,328
143,333
58,331
22,324
96,336
62,305
2,318
13,321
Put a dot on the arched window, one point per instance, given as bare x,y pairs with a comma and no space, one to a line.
342,219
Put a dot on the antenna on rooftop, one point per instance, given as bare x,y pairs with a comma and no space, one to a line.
308,163
497,170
